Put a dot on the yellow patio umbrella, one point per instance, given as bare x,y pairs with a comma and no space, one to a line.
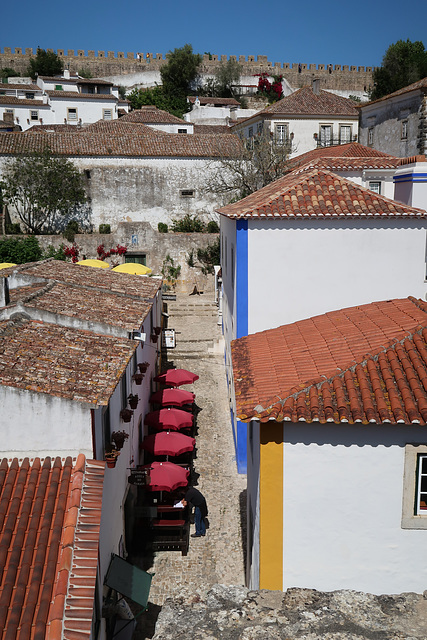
134,268
6,265
90,262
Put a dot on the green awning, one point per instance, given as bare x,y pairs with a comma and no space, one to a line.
128,580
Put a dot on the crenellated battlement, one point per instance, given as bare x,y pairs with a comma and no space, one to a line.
111,63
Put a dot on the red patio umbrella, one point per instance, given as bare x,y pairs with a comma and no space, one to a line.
174,419
166,476
176,377
168,443
172,397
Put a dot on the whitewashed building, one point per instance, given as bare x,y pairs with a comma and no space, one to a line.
69,367
336,409
61,100
304,120
308,243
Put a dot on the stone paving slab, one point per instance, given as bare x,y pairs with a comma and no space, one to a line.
219,557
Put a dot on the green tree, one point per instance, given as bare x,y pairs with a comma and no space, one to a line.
20,250
157,97
45,63
403,63
226,77
44,190
8,72
180,73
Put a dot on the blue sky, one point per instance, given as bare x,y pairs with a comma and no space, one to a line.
328,32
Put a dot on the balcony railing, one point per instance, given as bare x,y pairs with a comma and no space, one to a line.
331,142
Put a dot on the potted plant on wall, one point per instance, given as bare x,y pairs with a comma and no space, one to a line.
138,377
119,437
111,456
126,415
133,400
143,366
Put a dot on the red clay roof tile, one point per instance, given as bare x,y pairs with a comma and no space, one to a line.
316,193
362,364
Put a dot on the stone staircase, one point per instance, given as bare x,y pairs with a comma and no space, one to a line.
195,320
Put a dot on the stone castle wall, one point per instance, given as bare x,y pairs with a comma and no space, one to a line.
334,77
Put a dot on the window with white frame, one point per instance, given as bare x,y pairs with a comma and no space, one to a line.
107,114
72,113
414,502
325,135
345,133
371,135
281,133
34,115
404,130
182,130
375,186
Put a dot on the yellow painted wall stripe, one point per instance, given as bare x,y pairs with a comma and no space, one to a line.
271,506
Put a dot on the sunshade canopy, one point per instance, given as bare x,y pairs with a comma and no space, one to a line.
176,377
91,262
166,476
174,419
6,265
134,268
168,443
172,397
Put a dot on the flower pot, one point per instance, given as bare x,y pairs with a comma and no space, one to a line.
138,377
126,415
111,462
154,337
133,402
143,366
118,438
157,330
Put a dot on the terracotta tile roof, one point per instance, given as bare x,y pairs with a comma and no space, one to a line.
45,128
141,142
350,150
76,95
88,304
305,102
211,128
67,363
316,194
20,87
50,516
96,81
22,102
362,364
420,84
142,287
227,102
350,164
153,115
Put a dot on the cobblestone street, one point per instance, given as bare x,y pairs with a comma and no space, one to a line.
219,557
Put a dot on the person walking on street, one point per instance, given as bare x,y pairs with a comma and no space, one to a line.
197,500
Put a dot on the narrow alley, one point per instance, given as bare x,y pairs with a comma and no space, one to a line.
219,557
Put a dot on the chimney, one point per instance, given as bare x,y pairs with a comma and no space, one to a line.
66,74
410,182
315,85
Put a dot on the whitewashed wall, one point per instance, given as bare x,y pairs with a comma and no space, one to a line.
252,564
37,424
311,267
343,509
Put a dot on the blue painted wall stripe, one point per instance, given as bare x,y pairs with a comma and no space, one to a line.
241,278
411,177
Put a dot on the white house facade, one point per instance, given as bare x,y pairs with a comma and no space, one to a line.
310,243
336,413
304,120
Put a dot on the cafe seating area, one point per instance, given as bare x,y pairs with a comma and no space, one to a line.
168,451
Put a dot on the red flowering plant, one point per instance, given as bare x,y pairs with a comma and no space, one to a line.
274,91
103,254
72,252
